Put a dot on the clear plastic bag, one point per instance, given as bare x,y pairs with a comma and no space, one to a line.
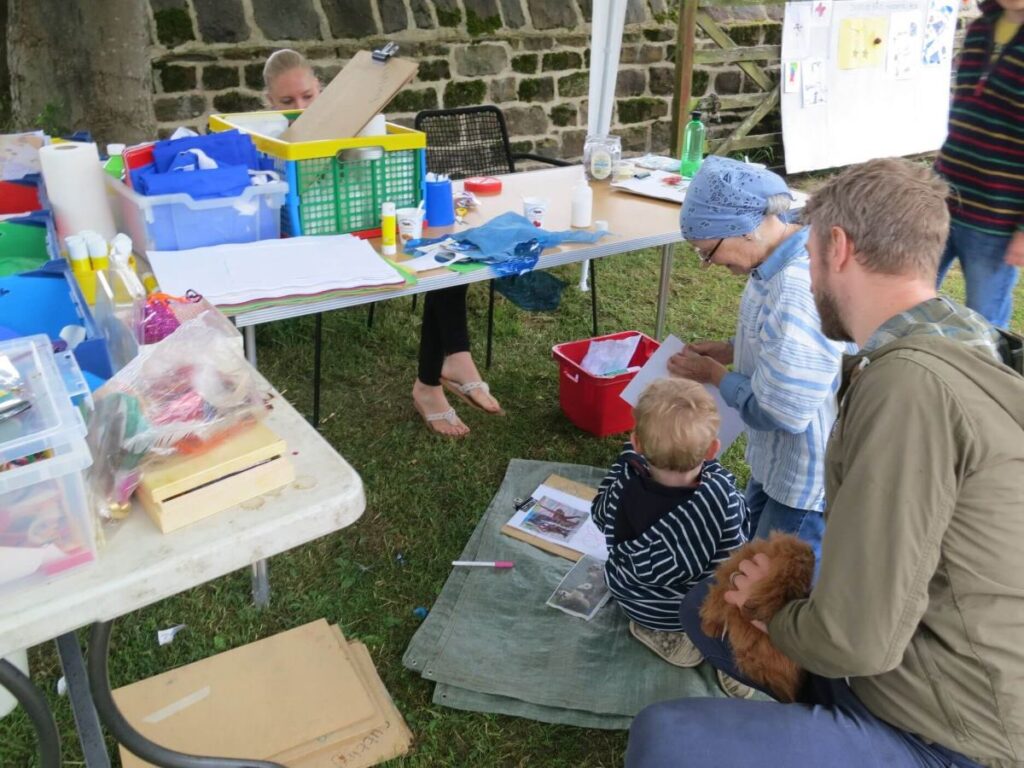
181,395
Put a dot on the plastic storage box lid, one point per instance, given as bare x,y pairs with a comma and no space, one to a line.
51,421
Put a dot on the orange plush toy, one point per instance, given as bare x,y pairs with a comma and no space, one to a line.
790,578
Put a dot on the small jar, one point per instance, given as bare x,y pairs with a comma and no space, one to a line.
600,156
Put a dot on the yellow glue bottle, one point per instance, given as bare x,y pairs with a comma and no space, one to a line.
388,224
98,250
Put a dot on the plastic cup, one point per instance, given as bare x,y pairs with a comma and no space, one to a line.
534,209
410,224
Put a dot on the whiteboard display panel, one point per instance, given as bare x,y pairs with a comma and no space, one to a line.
864,78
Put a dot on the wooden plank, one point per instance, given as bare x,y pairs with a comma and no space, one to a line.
717,34
750,121
747,142
740,101
686,41
771,53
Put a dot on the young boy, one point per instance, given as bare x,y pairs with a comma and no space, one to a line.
669,512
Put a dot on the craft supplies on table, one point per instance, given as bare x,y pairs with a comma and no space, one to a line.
592,402
337,186
230,275
45,524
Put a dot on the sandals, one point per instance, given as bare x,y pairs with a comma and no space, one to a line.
464,393
449,416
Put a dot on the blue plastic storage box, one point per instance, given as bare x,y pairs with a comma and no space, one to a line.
177,222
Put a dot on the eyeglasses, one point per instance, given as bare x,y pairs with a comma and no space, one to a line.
705,258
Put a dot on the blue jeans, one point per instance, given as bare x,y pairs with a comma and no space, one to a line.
828,727
989,278
767,515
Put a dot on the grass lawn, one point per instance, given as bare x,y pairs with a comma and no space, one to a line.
424,497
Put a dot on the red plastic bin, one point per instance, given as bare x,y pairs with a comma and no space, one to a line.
591,402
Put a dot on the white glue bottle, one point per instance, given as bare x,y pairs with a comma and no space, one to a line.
582,204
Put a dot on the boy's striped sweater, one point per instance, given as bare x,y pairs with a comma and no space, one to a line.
983,156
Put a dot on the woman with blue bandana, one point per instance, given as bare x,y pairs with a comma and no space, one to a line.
785,372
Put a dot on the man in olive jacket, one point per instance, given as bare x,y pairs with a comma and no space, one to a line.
914,631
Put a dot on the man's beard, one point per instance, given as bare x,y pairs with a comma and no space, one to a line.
828,312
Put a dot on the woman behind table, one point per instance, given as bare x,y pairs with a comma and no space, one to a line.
786,372
445,361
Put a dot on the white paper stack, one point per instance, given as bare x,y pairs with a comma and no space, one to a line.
240,273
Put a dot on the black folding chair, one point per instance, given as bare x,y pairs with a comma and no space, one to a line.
473,141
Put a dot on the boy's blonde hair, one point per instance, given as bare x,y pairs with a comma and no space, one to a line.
676,422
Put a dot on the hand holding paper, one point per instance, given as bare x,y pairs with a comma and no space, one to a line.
657,367
692,365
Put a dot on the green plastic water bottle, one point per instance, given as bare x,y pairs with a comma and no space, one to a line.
693,146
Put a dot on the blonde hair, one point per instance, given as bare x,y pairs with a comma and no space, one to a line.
893,210
676,422
283,61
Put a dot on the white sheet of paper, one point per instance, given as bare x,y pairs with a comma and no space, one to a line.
587,539
165,636
657,368
428,261
796,30
660,185
19,562
268,269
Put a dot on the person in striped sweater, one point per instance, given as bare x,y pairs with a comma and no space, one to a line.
786,372
670,513
983,160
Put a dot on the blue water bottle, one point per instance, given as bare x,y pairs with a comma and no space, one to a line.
693,146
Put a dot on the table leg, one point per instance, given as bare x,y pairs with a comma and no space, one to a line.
663,286
90,734
249,336
122,730
34,702
592,268
260,584
318,343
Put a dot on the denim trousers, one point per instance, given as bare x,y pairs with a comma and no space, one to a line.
990,280
767,515
829,726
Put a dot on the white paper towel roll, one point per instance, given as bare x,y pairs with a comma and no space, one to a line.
74,185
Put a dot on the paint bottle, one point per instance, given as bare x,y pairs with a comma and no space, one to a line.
693,146
388,223
78,254
98,250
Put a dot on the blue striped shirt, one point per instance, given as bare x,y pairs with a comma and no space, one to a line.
786,374
650,575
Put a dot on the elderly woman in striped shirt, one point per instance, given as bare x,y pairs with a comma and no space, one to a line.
785,372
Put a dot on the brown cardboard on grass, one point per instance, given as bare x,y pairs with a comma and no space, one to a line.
357,746
251,702
351,99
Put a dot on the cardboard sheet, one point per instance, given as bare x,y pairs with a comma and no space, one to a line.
251,702
351,99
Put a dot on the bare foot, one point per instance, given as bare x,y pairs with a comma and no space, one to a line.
439,416
459,368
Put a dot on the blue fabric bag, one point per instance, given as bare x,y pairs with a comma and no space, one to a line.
175,168
509,243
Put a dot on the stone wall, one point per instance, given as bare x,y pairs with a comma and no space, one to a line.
530,57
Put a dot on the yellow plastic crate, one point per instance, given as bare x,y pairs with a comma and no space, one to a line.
333,187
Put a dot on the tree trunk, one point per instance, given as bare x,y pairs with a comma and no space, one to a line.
81,65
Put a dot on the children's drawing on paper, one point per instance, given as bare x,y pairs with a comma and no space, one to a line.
796,30
940,24
904,49
813,83
821,13
862,42
553,518
791,76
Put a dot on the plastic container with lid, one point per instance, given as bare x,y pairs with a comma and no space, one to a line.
46,524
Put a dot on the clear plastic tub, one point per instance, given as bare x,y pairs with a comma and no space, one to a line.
178,222
46,524
51,420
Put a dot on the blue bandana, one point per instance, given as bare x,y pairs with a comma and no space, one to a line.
727,198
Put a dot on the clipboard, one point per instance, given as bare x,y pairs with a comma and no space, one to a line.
352,98
579,491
